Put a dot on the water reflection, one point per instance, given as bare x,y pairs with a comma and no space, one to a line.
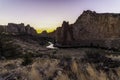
51,46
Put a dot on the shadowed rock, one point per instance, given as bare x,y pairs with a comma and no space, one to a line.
15,29
91,28
64,34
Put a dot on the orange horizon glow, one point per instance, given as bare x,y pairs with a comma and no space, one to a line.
49,25
50,14
49,29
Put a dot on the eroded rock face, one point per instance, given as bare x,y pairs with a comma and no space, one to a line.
12,28
97,25
64,34
90,28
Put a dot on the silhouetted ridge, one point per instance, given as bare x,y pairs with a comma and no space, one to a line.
15,29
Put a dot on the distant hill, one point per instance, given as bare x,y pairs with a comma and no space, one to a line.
16,29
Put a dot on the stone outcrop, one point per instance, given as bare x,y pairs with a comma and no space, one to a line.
12,28
48,34
90,28
44,33
97,26
64,33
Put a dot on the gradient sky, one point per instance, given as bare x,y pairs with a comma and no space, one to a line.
49,14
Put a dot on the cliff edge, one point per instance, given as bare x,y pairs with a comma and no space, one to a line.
91,28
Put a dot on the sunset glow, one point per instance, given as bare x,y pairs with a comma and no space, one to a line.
49,14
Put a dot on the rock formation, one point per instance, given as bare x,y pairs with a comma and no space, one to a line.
65,34
48,34
91,28
12,28
44,33
97,25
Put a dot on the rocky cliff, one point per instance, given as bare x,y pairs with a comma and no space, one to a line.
92,25
64,33
12,28
90,28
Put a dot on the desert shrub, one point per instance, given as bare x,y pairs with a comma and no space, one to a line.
27,59
67,58
101,61
64,57
7,47
94,57
55,52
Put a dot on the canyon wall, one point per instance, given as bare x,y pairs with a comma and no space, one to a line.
91,28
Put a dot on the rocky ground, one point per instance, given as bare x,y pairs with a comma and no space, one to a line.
24,57
64,64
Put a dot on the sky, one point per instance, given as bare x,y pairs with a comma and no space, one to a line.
49,14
